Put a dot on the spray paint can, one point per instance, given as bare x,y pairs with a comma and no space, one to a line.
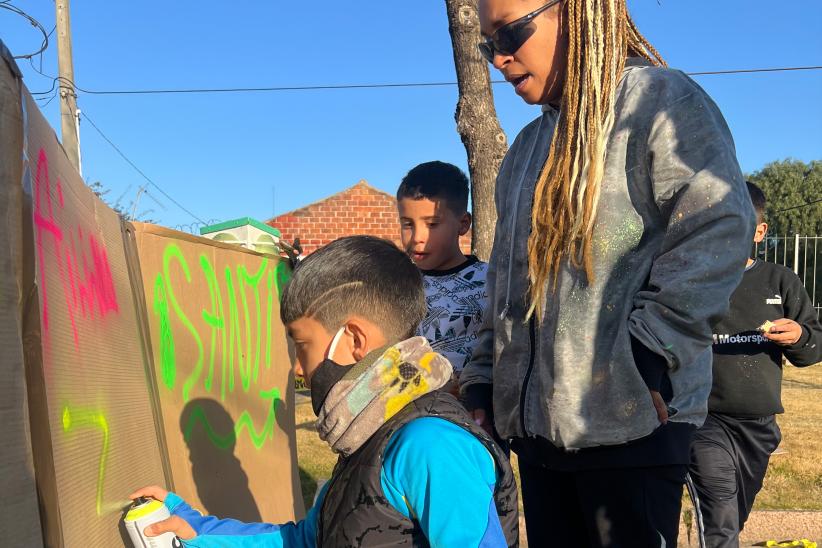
143,512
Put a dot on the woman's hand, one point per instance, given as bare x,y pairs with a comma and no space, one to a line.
660,406
481,419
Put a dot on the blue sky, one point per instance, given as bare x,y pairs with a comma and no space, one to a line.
221,155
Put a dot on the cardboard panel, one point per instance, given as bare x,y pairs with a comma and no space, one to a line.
93,429
19,518
223,374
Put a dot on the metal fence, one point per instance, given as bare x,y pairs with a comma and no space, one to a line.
799,253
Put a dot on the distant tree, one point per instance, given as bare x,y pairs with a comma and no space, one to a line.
102,192
794,192
125,212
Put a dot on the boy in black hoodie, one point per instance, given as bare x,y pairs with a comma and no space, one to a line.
770,316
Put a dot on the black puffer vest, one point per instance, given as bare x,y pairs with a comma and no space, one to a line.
355,511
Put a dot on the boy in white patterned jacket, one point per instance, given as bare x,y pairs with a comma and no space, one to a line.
433,208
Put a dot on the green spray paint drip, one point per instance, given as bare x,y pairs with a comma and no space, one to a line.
268,326
89,418
168,368
213,319
244,422
233,331
173,251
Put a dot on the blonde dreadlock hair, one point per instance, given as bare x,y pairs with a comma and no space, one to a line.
601,35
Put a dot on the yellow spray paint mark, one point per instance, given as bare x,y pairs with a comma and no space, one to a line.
74,418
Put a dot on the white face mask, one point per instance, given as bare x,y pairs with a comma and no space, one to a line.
327,374
334,342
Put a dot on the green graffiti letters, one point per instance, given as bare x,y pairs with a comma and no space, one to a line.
283,274
245,422
173,251
237,320
269,306
253,282
234,332
90,418
214,319
167,361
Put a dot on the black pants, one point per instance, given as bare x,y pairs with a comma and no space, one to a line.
626,507
729,458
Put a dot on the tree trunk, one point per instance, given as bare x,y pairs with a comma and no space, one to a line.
477,122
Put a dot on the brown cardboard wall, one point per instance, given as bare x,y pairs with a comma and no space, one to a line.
82,315
223,374
93,428
19,519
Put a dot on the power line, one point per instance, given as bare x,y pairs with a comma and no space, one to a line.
265,89
40,70
369,86
138,170
44,105
54,80
799,206
752,71
41,73
35,23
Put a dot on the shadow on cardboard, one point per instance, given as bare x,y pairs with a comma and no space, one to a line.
222,485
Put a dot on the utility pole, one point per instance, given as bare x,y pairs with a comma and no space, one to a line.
69,115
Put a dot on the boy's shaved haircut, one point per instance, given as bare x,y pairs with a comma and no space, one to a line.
758,200
437,180
361,275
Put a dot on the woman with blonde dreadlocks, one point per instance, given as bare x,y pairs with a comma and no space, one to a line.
623,224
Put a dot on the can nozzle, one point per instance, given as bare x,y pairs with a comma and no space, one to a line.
141,500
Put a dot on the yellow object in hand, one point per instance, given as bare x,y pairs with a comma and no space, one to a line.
766,327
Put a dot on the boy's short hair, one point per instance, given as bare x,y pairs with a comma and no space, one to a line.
361,275
437,180
758,200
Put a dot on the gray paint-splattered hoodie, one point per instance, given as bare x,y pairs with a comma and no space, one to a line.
673,229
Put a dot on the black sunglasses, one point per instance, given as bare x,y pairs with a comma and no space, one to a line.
509,37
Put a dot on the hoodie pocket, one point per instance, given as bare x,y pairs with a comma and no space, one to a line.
653,369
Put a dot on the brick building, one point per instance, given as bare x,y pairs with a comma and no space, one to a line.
360,209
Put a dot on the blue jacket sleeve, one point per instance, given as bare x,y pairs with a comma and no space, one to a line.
440,475
213,532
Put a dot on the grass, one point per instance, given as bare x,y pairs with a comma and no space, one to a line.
794,479
314,456
793,482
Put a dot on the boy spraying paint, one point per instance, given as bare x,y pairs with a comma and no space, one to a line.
432,202
409,453
770,316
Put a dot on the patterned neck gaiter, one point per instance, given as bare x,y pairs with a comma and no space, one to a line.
375,389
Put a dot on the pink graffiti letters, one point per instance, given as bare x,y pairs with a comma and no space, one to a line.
79,257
